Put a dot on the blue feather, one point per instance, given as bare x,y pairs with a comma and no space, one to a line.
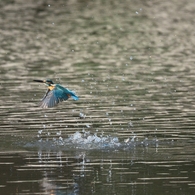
64,93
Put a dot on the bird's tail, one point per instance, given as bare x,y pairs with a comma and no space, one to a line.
74,96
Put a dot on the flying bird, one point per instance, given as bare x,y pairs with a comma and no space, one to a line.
55,93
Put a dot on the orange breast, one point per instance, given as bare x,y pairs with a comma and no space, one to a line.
51,87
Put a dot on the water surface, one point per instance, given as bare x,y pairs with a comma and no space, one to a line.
132,65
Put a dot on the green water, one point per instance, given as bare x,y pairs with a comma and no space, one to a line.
132,65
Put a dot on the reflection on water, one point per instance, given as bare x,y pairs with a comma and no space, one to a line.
131,63
81,172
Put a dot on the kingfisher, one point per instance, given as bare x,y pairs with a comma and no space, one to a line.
55,93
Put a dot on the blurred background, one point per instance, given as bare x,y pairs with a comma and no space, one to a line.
131,63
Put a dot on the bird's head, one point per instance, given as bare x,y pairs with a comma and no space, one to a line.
48,82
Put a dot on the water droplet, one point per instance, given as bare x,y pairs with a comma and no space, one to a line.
137,12
40,131
58,133
126,140
81,115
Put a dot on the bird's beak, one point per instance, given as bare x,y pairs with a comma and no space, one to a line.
40,81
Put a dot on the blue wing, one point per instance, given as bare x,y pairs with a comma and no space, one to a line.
58,94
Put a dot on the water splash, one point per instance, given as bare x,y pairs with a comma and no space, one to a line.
90,141
87,140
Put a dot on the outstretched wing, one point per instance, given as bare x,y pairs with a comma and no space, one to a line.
51,99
